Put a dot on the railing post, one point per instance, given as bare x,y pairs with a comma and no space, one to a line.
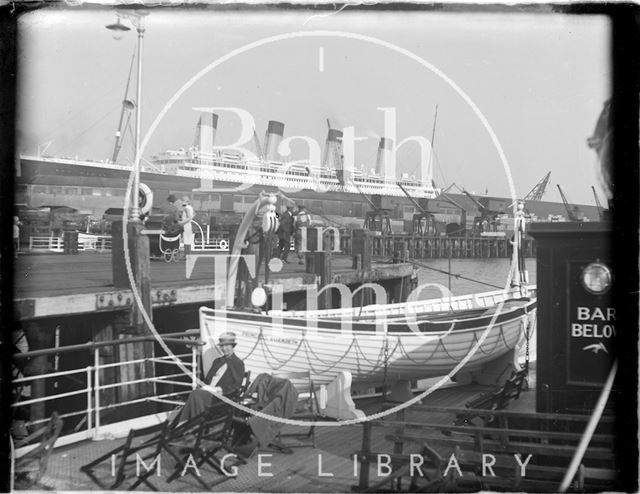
96,388
363,483
89,407
194,367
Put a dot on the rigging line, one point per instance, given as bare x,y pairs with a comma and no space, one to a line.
84,109
439,165
457,276
591,427
118,144
312,210
130,142
89,128
127,129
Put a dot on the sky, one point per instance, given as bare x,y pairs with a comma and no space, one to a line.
538,80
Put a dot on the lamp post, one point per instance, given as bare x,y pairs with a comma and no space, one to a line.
138,245
138,242
118,29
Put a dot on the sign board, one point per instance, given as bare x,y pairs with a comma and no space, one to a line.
590,331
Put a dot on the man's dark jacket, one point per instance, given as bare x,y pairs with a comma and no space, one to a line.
286,223
231,380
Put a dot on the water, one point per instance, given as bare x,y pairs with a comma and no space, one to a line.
483,275
483,271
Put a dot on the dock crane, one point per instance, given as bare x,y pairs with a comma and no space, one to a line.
571,211
598,205
487,221
424,222
538,190
534,194
461,230
378,219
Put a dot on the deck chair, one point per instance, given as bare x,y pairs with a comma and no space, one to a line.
31,467
307,409
140,443
199,442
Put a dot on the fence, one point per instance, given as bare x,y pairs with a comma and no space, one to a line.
415,247
98,243
90,382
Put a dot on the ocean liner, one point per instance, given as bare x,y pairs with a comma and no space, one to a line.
220,179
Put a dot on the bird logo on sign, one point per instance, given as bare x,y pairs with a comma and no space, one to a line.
596,347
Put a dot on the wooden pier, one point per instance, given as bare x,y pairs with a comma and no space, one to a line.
442,247
55,285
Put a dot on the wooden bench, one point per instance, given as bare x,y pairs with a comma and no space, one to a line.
435,455
494,400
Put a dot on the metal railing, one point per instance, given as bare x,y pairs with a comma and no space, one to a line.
98,243
210,240
93,384
52,244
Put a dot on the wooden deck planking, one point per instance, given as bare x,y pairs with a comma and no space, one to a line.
65,284
296,472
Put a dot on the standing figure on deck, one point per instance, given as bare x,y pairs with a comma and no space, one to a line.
303,220
284,233
186,216
170,223
225,377
16,235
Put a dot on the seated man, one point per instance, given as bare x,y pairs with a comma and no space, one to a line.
225,377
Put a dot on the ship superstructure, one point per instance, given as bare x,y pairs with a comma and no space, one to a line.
223,179
265,167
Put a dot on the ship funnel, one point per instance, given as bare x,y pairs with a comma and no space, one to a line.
275,131
385,165
206,132
332,156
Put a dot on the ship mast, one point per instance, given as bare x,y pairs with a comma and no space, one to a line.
127,106
433,137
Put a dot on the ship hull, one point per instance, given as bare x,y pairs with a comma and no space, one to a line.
94,187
